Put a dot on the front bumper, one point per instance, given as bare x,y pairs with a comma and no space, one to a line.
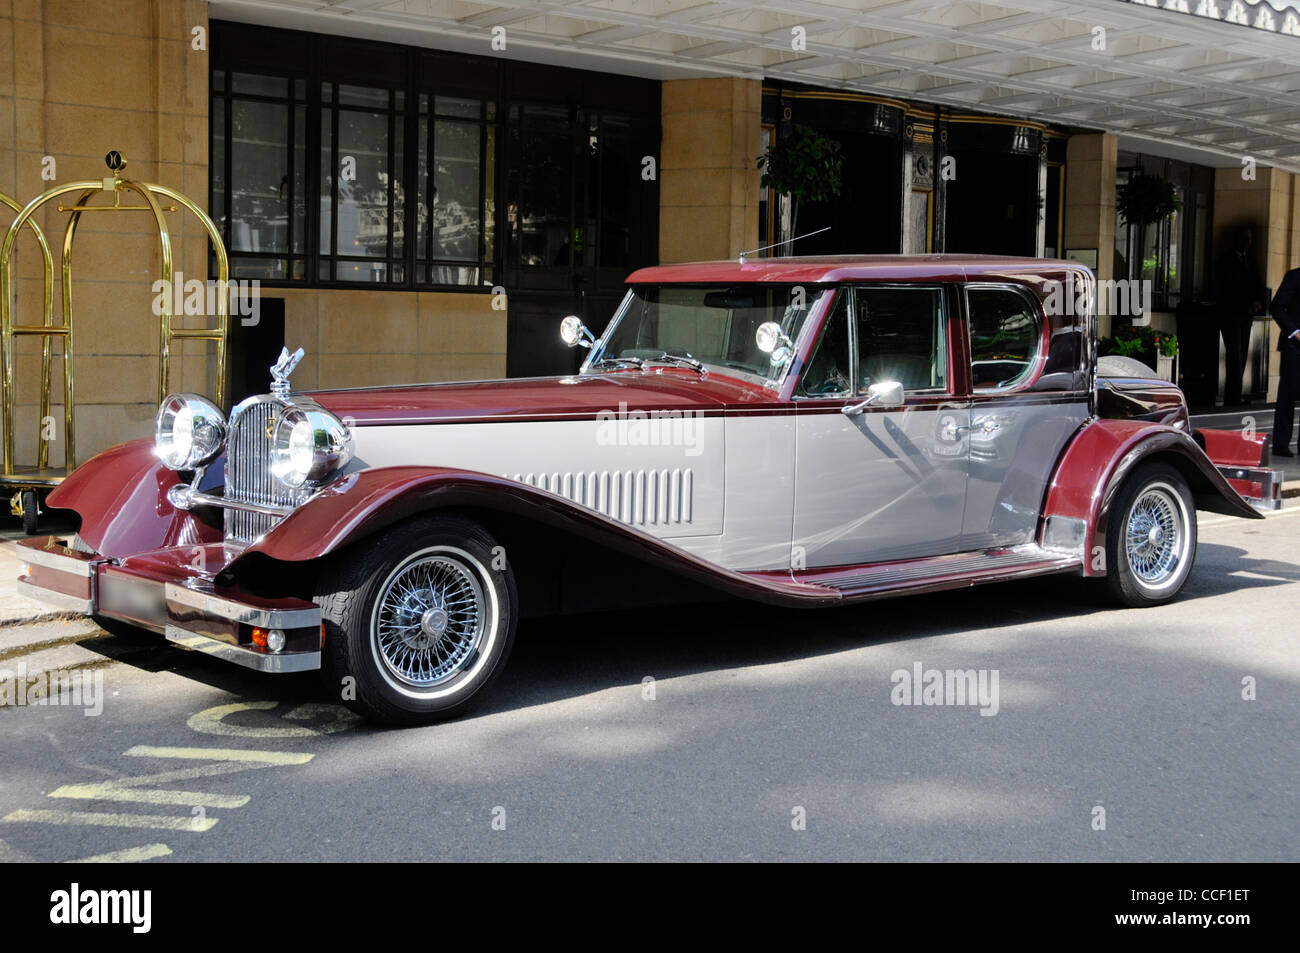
164,592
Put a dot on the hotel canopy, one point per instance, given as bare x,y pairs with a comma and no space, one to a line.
1212,81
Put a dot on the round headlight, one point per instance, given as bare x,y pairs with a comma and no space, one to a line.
188,431
308,445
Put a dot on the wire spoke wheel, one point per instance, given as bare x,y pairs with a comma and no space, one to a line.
430,619
1155,536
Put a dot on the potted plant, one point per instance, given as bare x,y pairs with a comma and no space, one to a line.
804,165
1146,199
1158,350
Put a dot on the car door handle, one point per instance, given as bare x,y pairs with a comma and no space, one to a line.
986,426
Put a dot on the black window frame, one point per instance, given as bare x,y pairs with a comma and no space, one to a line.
499,84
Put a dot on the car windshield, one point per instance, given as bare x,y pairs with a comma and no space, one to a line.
712,324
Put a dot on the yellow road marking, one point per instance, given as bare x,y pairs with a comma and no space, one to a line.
130,789
132,855
93,819
221,754
209,722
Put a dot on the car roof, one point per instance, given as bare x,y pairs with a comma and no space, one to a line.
834,268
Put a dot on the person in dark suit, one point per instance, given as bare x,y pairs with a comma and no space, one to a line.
1241,296
1286,312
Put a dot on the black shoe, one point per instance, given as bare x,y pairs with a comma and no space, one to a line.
1282,453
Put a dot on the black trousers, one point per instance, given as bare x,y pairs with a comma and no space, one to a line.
1288,390
1236,341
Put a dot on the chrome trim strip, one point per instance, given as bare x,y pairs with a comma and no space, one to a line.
196,498
57,599
48,559
262,662
222,608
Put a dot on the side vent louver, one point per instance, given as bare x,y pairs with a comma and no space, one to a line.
636,497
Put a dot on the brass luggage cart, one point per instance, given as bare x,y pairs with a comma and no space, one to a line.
29,483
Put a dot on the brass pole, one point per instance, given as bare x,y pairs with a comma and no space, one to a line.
221,331
8,329
43,447
69,422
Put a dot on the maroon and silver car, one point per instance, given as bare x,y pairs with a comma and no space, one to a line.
803,432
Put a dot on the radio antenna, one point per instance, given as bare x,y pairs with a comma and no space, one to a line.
788,241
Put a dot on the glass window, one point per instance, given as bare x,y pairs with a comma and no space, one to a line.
540,217
258,151
713,324
362,195
1004,337
901,337
311,166
828,370
454,190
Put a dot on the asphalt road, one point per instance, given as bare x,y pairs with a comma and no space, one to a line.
756,714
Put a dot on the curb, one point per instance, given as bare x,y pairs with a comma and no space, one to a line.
43,615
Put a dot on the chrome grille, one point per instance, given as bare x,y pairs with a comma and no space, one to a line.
248,471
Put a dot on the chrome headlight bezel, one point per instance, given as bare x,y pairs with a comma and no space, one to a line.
308,445
189,431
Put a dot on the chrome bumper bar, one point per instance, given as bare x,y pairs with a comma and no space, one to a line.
188,611
1267,479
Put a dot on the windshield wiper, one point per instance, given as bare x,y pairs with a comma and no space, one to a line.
621,362
681,360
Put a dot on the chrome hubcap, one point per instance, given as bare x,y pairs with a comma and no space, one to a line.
430,620
1154,537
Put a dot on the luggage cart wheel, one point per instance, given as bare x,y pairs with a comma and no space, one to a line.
31,510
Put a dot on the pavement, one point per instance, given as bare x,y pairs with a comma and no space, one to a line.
724,732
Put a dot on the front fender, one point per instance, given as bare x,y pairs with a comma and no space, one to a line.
1104,452
366,502
121,496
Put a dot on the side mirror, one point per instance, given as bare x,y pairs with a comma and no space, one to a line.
773,341
573,332
884,394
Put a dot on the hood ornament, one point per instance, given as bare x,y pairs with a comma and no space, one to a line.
281,370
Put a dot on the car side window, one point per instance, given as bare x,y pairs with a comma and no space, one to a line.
1004,338
827,373
901,337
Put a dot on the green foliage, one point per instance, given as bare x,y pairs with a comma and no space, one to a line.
1139,343
1146,199
805,165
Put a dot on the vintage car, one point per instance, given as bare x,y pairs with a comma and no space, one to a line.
797,431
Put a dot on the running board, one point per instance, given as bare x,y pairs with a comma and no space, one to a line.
933,573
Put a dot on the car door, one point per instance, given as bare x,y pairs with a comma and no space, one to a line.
888,482
1029,395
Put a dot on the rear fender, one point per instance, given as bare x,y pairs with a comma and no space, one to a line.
1094,467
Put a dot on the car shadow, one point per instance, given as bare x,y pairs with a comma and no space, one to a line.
569,656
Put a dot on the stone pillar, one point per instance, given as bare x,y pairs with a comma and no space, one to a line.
77,80
1090,164
708,189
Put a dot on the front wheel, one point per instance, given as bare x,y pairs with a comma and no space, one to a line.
418,620
1151,537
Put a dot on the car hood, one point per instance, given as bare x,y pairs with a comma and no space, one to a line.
542,398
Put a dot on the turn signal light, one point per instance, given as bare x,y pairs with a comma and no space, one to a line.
269,640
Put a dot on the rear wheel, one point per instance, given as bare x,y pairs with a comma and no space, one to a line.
31,511
418,620
1151,537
